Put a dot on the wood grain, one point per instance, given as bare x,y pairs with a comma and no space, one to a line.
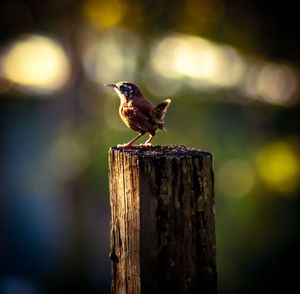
162,220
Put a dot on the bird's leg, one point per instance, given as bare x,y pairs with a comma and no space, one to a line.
147,143
129,144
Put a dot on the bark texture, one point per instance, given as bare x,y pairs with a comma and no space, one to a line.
162,220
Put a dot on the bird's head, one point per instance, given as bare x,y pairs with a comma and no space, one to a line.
126,90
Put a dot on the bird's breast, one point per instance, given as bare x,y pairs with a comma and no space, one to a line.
127,115
136,115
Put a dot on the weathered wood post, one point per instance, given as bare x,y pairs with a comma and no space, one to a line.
162,220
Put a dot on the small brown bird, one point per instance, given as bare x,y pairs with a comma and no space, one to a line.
138,113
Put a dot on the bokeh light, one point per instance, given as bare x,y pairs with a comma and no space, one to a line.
177,56
103,13
235,178
38,63
270,82
276,83
279,166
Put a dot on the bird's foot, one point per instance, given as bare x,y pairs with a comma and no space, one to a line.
127,145
146,145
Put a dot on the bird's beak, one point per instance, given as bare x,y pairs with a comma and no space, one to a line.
111,85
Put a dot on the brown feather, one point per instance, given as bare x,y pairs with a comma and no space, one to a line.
135,119
137,112
160,110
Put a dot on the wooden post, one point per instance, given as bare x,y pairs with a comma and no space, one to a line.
162,220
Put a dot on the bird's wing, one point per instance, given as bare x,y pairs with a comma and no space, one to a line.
143,105
138,119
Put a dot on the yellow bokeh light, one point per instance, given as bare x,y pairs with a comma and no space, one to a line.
235,178
37,62
178,55
105,13
279,167
188,57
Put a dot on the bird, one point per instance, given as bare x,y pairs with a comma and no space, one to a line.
138,113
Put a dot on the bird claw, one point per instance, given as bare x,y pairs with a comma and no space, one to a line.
146,145
124,145
127,145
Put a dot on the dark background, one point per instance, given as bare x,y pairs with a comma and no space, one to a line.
231,69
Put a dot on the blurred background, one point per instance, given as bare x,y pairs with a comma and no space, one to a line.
231,69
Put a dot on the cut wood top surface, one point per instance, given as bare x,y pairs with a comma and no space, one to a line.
163,151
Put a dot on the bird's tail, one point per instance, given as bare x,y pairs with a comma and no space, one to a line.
160,110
